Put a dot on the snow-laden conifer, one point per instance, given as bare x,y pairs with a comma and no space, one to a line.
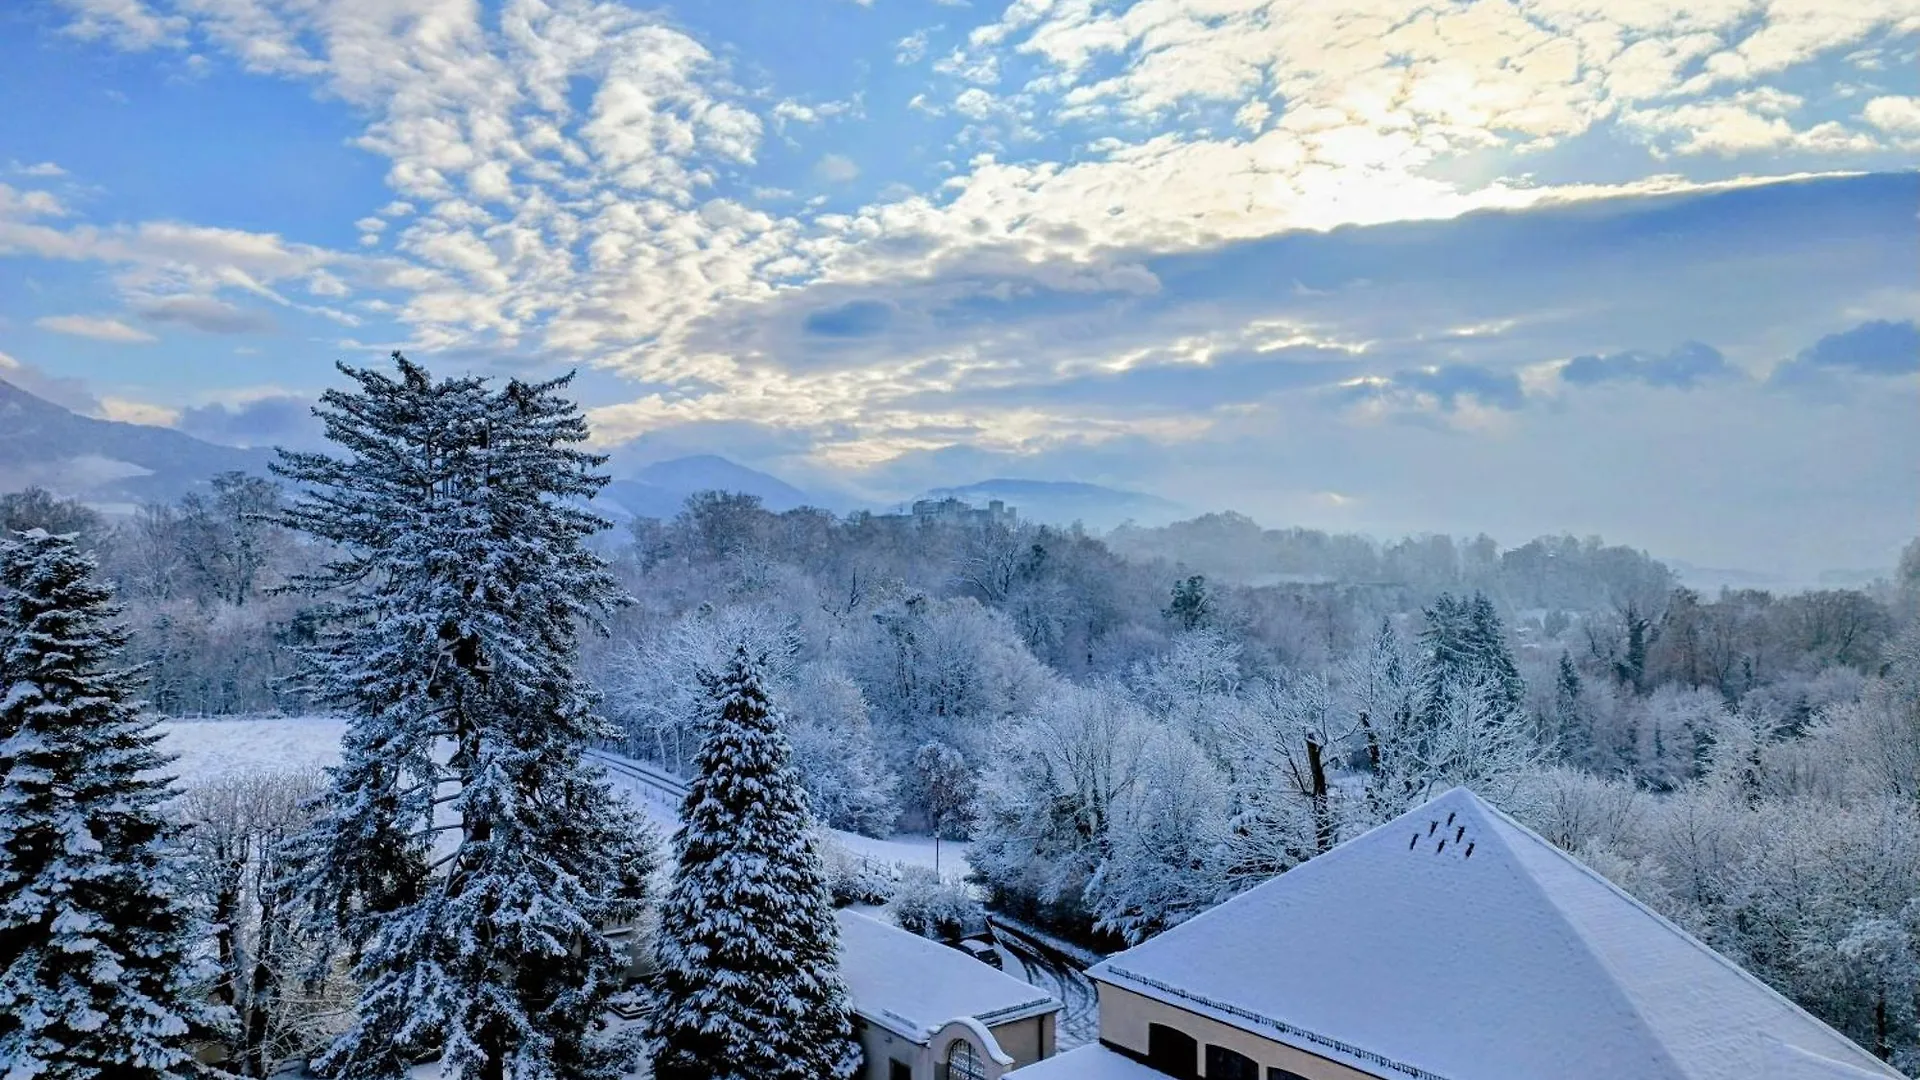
98,976
466,856
748,984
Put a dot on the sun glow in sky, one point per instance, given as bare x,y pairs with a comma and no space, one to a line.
1638,267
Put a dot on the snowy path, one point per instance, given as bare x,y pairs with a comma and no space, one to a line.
1063,977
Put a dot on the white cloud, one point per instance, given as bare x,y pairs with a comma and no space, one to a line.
97,327
129,411
44,169
1745,123
974,102
28,204
836,169
912,48
129,24
1898,115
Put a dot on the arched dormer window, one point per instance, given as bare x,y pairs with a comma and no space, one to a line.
963,1062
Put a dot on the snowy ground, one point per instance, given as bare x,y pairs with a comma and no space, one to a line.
209,749
213,748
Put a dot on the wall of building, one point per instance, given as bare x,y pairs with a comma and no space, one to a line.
882,1046
1124,1016
1026,1041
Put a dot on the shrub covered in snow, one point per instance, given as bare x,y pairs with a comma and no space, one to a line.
856,879
933,908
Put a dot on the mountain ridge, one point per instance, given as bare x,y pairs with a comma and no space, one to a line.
106,461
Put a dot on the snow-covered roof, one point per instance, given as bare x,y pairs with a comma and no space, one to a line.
1089,1062
913,987
1453,942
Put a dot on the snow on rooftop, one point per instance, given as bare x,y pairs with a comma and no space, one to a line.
1090,1062
1454,942
913,987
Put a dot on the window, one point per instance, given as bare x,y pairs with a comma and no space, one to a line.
1172,1051
898,1070
1274,1072
963,1063
1225,1064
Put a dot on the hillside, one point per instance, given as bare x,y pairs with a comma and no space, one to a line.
105,462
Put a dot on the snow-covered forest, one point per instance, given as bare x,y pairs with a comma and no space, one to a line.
1127,728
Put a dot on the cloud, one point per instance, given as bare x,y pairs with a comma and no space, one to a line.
97,327
1898,115
912,48
205,314
43,169
836,169
26,205
1881,347
130,24
63,390
1446,388
1684,366
129,411
271,419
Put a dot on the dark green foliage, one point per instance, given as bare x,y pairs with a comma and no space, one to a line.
98,976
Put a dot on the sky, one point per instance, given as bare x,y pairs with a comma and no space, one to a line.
1634,268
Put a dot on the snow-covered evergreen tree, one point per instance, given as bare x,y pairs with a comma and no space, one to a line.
98,976
464,849
1465,644
748,984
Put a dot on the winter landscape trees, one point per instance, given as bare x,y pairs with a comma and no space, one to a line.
1128,729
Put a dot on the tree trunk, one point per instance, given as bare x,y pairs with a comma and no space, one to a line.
1322,812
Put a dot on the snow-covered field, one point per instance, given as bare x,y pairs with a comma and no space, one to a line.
212,748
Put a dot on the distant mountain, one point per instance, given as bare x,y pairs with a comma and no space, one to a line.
105,462
1063,502
661,489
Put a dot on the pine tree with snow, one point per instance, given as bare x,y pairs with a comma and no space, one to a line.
465,851
1574,730
1466,645
748,984
97,970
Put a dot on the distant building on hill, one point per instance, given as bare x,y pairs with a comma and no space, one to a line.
1451,943
952,511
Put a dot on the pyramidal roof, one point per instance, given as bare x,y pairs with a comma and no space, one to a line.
1454,943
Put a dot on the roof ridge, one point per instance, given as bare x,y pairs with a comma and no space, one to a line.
1579,938
1672,928
1339,853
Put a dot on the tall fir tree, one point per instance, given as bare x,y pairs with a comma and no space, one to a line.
1465,644
748,984
465,850
99,975
1573,729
